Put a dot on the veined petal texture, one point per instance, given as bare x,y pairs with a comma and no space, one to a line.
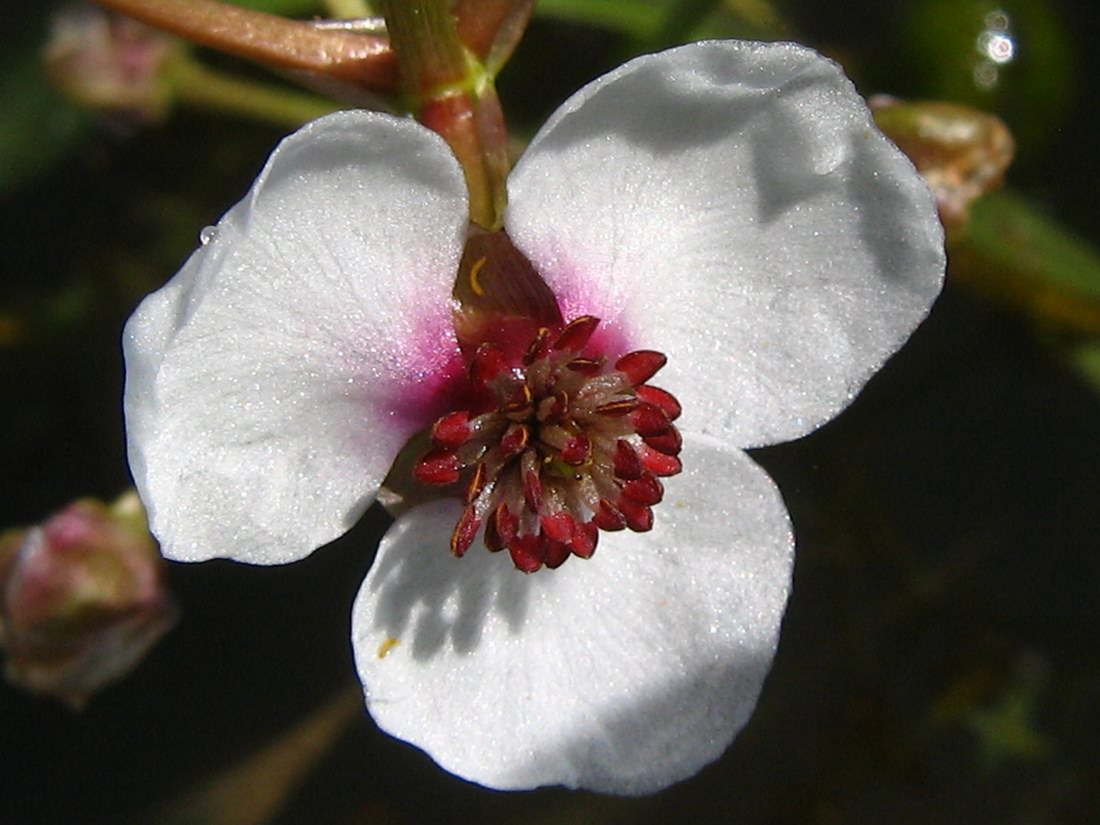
732,205
272,381
622,673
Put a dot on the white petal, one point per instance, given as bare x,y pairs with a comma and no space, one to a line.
622,674
732,205
272,381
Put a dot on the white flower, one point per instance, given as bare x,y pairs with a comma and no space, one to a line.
728,204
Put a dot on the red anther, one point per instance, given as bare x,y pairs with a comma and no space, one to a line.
506,523
639,517
626,463
532,490
576,334
557,526
486,364
585,538
551,426
619,408
660,398
555,409
492,537
438,467
645,490
539,347
452,430
586,366
649,419
608,517
641,365
668,443
658,463
528,552
519,407
465,531
515,438
556,554
577,451
476,483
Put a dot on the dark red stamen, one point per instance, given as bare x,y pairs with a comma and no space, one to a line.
577,451
558,446
438,467
659,463
627,463
576,334
644,490
452,430
528,552
641,365
556,553
639,517
650,419
609,518
465,532
660,398
668,442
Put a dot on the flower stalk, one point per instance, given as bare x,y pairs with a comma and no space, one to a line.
450,91
365,60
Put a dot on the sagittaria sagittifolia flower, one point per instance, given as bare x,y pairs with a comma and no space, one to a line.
728,205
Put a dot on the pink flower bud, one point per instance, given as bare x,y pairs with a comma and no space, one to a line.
110,63
82,598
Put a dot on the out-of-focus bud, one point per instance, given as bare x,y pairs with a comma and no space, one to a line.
82,598
961,152
111,64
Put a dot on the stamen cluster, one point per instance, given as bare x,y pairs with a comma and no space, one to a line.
557,445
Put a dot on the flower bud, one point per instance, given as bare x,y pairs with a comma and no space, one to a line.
111,64
961,152
82,598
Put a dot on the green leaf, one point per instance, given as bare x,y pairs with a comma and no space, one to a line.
1016,236
1087,360
39,126
1017,255
638,19
289,8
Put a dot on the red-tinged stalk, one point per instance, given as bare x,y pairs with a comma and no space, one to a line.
363,60
448,89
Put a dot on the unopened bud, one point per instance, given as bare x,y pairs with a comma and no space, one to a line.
111,64
961,152
82,598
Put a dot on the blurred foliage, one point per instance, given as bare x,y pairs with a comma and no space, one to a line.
938,662
38,127
1032,91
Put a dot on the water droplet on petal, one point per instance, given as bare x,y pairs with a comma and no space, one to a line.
208,234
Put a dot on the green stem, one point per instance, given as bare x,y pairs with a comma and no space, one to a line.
348,9
202,88
449,91
429,52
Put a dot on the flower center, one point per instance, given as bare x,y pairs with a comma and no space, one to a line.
556,445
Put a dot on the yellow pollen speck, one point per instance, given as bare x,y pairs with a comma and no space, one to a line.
386,646
475,285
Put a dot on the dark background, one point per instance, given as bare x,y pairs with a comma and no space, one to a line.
938,661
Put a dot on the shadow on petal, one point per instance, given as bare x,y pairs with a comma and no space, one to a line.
889,225
429,599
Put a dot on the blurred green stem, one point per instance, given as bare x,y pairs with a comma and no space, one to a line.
203,88
348,9
685,18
